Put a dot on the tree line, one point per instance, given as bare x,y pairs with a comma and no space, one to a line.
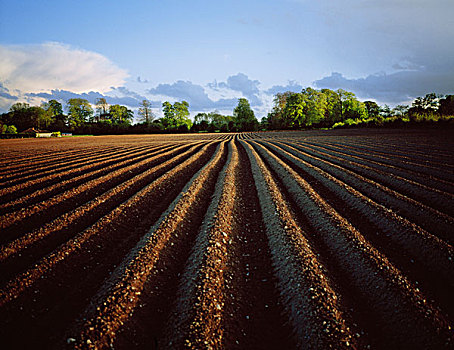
326,108
309,108
82,118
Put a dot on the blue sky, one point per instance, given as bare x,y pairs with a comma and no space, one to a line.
210,53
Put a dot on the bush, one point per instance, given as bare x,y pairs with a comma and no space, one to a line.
8,129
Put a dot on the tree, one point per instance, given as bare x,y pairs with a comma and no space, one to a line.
351,107
24,116
385,111
53,107
102,108
19,115
425,105
11,129
400,110
175,115
120,115
145,113
373,109
446,105
315,105
181,110
333,110
276,116
244,115
79,111
294,111
55,116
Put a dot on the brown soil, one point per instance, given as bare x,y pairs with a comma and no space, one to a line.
318,239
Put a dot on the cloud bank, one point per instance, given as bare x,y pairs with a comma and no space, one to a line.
399,87
199,98
50,66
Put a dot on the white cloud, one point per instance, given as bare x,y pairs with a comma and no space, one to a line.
50,66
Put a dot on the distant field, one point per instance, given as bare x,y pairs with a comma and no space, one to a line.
278,240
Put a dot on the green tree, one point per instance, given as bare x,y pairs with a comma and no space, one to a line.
53,107
11,129
294,114
120,115
351,107
176,116
315,105
425,105
333,110
24,116
19,115
55,116
244,116
373,109
181,110
102,109
145,113
275,118
79,112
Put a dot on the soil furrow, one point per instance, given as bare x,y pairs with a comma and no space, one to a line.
100,169
16,223
14,192
310,302
23,251
438,178
126,289
414,190
399,308
256,240
432,220
49,171
42,157
406,160
407,154
197,321
73,272
35,169
429,259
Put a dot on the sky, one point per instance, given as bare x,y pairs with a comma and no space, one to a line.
210,53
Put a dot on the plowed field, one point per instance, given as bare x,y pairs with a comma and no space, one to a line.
312,240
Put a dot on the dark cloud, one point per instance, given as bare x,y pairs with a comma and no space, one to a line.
4,92
291,86
194,94
394,88
140,80
128,93
241,82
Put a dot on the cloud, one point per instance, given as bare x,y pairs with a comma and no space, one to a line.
63,96
194,94
55,66
141,80
4,93
291,86
241,83
395,88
